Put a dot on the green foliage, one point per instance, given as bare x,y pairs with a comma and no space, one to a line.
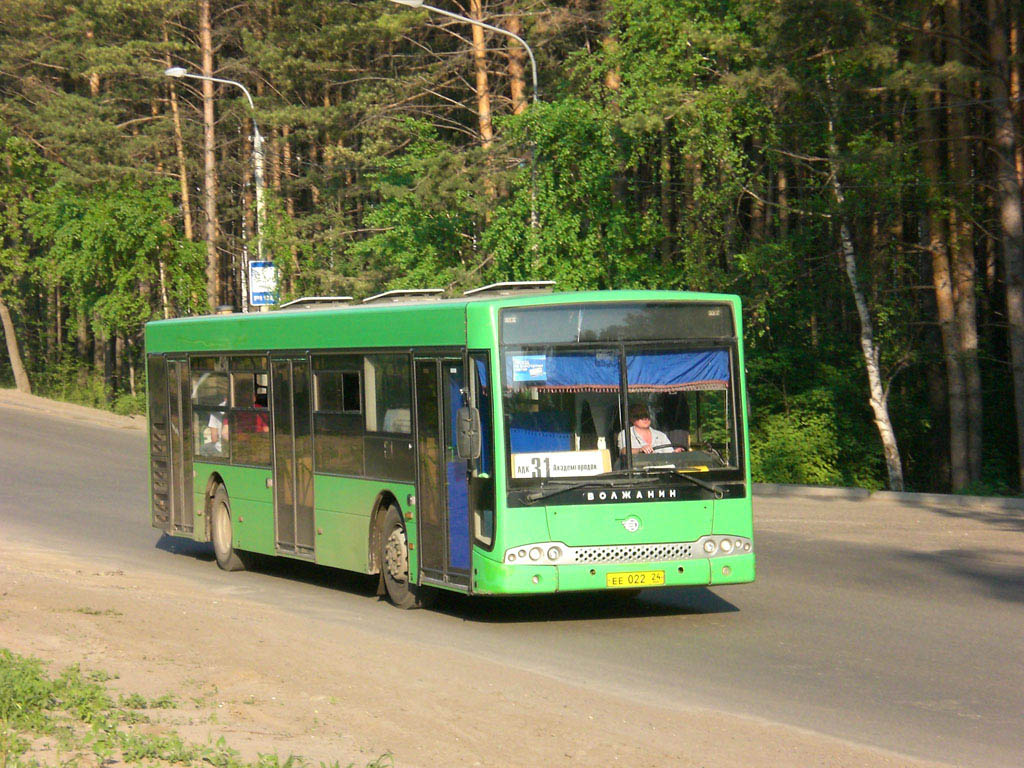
426,227
587,236
127,404
798,447
81,716
25,691
105,243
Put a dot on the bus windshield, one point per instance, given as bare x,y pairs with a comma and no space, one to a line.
576,408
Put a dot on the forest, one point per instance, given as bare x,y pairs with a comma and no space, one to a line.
853,169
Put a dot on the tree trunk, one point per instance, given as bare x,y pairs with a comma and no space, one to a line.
179,149
782,196
314,163
117,367
101,358
666,202
942,282
82,347
516,69
164,304
53,308
1015,92
1008,196
94,76
13,352
60,322
877,395
213,292
483,93
962,263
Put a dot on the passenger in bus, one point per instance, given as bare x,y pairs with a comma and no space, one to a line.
642,437
217,427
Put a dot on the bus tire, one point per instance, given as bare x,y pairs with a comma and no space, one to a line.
394,564
221,534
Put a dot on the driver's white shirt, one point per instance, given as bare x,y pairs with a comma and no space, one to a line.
659,440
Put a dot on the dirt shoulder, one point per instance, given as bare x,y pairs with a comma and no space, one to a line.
12,398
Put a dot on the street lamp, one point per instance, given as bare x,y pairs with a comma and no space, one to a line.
533,71
257,161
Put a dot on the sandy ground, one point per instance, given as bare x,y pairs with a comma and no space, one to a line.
270,681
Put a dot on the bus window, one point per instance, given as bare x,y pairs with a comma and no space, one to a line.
337,420
250,419
210,394
388,394
548,391
687,393
338,391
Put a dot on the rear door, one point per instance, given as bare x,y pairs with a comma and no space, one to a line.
170,422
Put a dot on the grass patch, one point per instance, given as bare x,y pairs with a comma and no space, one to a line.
72,718
98,612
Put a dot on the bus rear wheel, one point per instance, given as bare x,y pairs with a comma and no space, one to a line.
394,565
220,531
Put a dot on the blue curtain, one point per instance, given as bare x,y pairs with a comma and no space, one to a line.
654,370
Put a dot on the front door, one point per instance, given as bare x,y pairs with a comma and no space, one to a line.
293,456
442,478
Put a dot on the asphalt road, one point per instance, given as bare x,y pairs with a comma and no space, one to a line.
884,624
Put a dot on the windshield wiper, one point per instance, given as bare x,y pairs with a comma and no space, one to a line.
604,480
663,469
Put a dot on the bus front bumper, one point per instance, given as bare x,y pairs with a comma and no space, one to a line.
494,578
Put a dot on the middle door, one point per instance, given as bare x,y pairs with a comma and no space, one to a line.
293,457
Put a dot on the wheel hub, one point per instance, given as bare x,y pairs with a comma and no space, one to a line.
221,537
396,555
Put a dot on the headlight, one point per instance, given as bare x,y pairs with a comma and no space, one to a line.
710,546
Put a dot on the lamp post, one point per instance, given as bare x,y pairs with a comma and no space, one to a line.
533,71
257,161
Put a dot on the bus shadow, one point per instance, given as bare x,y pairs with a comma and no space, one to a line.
583,606
359,584
280,567
198,550
570,606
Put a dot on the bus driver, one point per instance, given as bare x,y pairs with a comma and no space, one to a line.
643,437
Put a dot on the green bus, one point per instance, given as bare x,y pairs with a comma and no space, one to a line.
513,440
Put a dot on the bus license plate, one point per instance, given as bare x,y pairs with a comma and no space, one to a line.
635,579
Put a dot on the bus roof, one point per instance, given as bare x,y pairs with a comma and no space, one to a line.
420,322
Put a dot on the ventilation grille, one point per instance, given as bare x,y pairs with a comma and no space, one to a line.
633,553
161,491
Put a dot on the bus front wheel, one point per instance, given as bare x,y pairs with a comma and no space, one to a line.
220,522
394,560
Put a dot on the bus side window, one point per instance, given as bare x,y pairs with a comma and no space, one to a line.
388,392
251,418
210,403
337,420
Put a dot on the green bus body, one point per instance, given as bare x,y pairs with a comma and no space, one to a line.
314,425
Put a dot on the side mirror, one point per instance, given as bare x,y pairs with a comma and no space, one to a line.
467,423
